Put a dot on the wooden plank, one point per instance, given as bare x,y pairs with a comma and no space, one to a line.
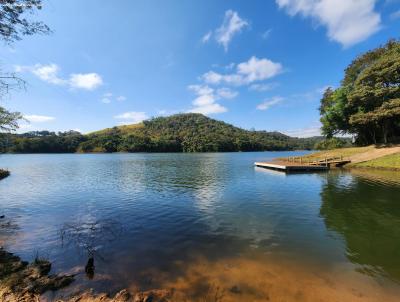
290,167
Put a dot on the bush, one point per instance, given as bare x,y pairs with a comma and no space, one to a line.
331,143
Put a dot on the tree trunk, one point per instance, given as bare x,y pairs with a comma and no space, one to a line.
385,132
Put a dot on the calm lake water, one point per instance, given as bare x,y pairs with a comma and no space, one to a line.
203,223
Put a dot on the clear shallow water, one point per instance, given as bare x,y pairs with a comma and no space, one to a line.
152,219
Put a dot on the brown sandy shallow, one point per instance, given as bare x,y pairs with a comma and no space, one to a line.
253,279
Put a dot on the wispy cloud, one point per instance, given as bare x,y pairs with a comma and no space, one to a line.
206,37
263,87
121,98
33,118
231,26
348,21
131,117
268,103
246,72
265,35
108,97
50,73
227,93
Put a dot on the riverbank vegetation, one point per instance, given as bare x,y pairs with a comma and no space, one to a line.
177,133
367,103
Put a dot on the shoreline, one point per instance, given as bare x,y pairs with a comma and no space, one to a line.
23,281
365,158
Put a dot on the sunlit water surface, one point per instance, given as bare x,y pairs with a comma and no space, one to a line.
203,223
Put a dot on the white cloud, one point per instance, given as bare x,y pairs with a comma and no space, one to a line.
227,93
209,109
207,97
33,118
232,25
132,117
201,89
88,81
108,97
206,37
304,132
246,72
258,69
50,73
212,77
269,103
164,112
347,21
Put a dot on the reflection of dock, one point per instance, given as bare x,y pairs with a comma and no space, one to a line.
299,164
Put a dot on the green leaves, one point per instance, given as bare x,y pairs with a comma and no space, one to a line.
9,120
367,102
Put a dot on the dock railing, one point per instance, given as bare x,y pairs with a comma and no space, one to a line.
321,161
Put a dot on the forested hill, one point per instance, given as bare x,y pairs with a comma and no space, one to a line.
177,133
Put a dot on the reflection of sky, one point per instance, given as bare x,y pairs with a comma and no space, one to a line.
210,203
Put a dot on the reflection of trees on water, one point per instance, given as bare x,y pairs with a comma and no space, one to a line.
367,215
91,237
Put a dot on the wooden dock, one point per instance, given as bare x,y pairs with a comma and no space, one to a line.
299,164
290,167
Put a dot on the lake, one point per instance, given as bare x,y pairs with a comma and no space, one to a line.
206,225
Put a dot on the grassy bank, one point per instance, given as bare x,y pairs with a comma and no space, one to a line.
386,162
4,173
387,158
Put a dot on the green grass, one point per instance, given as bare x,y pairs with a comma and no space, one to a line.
345,152
386,162
125,129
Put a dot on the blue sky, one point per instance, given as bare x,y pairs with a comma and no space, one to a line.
255,64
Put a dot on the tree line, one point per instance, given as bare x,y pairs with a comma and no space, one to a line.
178,133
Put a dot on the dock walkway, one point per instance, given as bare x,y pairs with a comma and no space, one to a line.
299,164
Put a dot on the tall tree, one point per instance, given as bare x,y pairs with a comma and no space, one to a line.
14,25
367,103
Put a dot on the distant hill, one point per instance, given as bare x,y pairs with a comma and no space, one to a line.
177,133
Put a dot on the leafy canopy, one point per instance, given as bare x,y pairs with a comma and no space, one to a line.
367,102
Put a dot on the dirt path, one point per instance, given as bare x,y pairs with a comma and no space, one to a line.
373,154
